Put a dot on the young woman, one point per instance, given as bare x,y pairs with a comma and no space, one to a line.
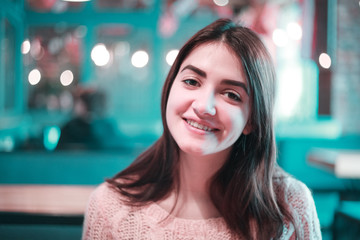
213,173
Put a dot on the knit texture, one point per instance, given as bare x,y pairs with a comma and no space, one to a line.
107,217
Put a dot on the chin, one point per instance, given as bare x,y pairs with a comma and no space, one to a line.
192,150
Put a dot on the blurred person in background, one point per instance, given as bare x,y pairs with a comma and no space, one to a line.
81,131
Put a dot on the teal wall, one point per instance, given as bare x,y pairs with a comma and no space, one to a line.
65,167
40,232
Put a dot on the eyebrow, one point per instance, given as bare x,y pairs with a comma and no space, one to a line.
200,72
236,83
224,81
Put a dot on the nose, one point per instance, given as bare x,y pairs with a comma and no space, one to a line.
204,104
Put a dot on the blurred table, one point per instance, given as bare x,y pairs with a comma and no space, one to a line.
43,204
343,163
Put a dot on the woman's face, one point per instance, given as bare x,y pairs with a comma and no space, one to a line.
208,105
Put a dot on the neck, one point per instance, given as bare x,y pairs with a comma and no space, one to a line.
193,200
196,172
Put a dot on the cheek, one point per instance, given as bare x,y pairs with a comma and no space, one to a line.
171,102
175,105
170,108
178,101
236,122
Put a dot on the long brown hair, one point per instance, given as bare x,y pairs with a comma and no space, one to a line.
242,190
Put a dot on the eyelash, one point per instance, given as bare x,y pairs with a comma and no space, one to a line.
233,96
192,82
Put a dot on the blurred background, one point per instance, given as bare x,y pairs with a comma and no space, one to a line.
80,85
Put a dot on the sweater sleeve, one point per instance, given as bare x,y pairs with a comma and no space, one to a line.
91,225
301,204
97,221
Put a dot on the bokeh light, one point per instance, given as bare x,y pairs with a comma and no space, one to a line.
122,48
294,31
171,56
291,87
325,60
25,46
51,137
100,55
66,77
36,50
280,37
55,45
76,0
34,77
7,144
221,3
140,59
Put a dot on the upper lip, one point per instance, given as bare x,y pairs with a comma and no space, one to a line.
202,122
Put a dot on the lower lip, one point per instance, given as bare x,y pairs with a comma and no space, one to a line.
195,130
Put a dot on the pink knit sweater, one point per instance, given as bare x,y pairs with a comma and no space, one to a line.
107,217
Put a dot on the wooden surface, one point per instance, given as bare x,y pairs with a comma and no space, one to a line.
322,158
45,199
343,163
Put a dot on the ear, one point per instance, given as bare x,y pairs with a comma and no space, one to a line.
247,129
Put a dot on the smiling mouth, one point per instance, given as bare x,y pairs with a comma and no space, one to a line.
200,126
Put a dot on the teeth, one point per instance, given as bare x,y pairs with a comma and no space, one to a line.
199,126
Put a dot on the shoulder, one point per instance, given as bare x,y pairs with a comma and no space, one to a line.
292,186
103,192
107,193
107,200
105,209
295,194
298,194
300,203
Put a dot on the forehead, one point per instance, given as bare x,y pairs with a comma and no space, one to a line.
216,58
219,49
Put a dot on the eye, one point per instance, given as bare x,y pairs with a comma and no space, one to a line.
192,82
233,96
